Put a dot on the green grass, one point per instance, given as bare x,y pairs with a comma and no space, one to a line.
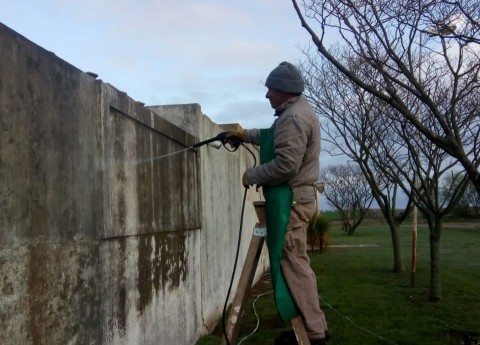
332,215
366,303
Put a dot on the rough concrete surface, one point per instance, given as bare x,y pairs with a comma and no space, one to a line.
103,241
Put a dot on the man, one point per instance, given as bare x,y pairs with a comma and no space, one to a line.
289,156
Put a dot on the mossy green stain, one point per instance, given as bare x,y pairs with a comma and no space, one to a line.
162,264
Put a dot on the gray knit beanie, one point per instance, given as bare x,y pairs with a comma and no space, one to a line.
286,78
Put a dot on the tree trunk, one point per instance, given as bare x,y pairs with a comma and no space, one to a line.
435,284
350,227
398,265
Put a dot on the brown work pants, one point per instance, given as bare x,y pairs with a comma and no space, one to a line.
300,278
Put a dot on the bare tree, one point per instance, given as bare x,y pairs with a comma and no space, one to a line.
427,54
349,116
469,204
386,146
469,10
348,192
418,167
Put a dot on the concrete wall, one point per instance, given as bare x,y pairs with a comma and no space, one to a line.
221,196
102,241
49,248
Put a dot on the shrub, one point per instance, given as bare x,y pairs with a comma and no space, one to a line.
317,231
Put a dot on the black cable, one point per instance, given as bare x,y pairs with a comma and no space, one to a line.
234,268
238,249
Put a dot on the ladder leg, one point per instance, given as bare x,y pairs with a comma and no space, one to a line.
300,332
243,289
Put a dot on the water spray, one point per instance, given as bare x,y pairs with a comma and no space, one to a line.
216,142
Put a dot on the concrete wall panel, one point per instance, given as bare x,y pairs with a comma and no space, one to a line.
150,241
48,226
145,191
103,238
186,116
47,145
150,289
48,294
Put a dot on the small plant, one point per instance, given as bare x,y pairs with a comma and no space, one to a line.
317,231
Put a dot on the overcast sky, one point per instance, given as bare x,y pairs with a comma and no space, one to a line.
217,53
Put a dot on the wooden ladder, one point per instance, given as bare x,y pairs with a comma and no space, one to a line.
245,284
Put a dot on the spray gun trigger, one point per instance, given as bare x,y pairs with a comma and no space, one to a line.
233,140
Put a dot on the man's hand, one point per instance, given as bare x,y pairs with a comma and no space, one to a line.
238,135
246,185
244,180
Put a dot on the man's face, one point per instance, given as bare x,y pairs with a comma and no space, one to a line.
276,97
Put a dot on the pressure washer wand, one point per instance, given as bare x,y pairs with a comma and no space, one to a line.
222,137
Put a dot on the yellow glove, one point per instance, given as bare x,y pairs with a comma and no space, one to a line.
240,134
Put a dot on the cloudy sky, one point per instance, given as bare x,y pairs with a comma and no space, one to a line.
213,52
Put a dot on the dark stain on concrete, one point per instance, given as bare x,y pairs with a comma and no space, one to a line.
175,188
172,259
144,272
166,270
122,291
120,176
144,179
122,310
37,288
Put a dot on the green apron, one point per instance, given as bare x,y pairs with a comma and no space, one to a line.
278,203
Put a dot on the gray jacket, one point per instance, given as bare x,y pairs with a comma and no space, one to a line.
296,134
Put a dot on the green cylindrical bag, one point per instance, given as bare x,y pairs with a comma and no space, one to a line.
278,203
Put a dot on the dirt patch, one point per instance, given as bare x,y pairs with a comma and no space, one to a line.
475,226
369,245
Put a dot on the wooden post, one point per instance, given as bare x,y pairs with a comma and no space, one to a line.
414,240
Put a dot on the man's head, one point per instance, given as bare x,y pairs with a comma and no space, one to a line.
284,82
286,78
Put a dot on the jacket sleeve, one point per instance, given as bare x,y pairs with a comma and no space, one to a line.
290,141
252,136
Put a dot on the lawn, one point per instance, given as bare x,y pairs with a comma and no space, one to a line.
366,303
